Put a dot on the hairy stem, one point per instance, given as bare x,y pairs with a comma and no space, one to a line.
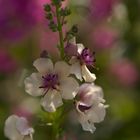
61,46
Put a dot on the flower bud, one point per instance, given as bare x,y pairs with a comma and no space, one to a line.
49,16
56,2
47,8
65,12
44,54
71,49
74,29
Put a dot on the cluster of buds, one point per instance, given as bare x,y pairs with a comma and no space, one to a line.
54,11
69,78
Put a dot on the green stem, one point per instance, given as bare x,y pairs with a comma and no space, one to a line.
61,47
56,120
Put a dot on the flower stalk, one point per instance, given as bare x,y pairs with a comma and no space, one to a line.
66,82
61,45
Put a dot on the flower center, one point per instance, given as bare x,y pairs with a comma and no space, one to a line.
50,81
83,107
87,57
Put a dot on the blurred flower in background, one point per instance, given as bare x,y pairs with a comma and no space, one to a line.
17,19
125,72
104,37
7,63
27,108
101,9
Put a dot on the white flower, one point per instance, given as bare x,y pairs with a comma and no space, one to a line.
16,128
52,82
80,62
90,106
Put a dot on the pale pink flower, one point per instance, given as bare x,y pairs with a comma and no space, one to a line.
80,62
22,112
104,37
17,128
89,106
125,72
101,9
52,82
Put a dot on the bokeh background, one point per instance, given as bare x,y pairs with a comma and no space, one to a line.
111,28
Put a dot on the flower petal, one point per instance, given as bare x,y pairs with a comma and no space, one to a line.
43,65
97,94
62,68
73,60
32,84
28,137
86,125
97,114
10,129
68,87
51,100
80,48
22,126
87,75
76,70
91,94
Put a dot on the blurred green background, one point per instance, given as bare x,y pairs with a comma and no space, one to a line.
111,28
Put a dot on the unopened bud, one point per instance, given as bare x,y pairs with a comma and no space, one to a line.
71,49
49,16
74,29
44,54
47,8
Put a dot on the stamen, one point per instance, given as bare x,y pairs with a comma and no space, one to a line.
50,81
83,107
87,57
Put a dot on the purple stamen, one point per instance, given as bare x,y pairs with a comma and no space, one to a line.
50,81
83,108
87,57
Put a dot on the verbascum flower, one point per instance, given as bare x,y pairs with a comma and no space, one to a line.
14,16
80,61
89,106
17,128
51,82
121,71
101,9
104,37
